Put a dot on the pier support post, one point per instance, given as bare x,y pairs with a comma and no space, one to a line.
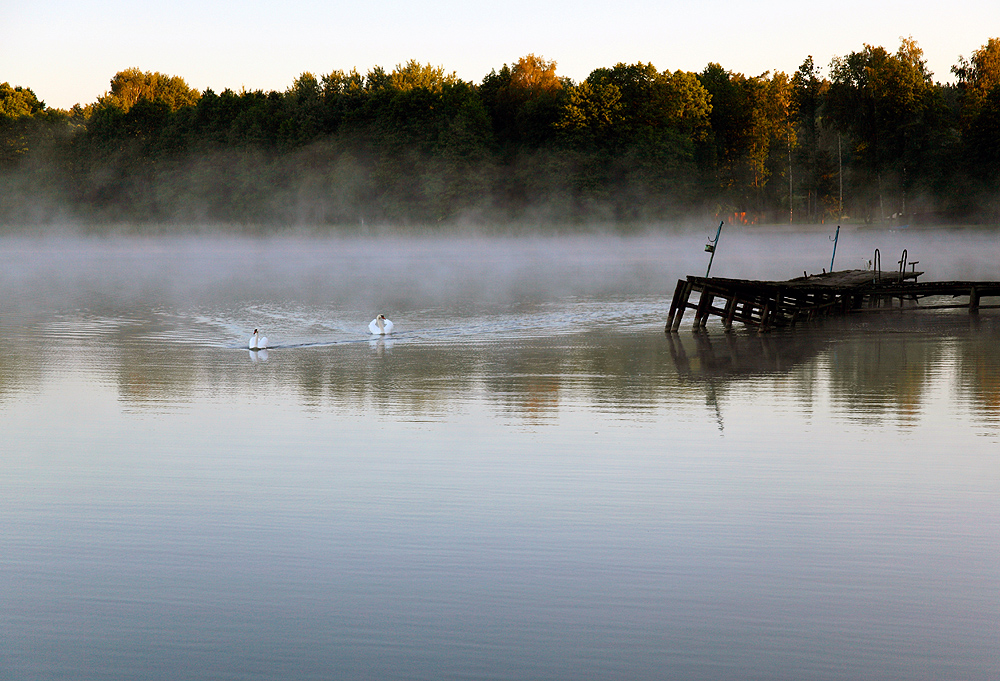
973,301
730,312
765,318
675,303
704,309
684,289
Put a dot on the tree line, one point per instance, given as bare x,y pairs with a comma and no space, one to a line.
873,139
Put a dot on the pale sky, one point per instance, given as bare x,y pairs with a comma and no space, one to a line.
67,52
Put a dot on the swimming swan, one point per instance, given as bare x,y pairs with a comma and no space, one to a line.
380,326
257,343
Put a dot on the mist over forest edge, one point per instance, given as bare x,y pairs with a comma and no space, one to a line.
871,139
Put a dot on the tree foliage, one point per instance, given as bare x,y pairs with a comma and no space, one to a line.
751,135
417,144
980,75
131,86
816,153
979,101
18,102
890,108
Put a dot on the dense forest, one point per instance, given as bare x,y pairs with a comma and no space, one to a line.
873,140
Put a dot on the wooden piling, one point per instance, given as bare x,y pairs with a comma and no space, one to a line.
681,301
675,303
765,318
704,309
731,303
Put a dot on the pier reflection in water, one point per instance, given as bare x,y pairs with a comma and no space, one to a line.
891,367
539,487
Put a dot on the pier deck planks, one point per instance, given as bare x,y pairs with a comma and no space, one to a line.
766,304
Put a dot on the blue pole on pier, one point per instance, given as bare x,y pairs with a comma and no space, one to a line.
835,237
710,247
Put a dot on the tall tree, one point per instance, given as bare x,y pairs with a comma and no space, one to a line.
524,101
979,101
889,107
978,76
637,129
750,136
304,111
815,165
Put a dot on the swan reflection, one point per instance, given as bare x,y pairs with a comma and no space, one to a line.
381,345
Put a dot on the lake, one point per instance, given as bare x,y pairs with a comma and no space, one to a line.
527,480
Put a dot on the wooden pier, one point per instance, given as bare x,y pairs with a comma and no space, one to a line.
769,304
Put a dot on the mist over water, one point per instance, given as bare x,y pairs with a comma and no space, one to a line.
450,268
529,479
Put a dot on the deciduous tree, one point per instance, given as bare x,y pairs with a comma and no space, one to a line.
889,106
131,85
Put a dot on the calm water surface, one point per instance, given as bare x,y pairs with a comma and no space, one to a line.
529,480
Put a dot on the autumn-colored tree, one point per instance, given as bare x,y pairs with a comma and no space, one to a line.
979,88
774,138
978,76
751,133
524,101
533,77
416,144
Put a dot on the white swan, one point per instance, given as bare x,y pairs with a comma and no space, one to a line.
257,343
380,326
